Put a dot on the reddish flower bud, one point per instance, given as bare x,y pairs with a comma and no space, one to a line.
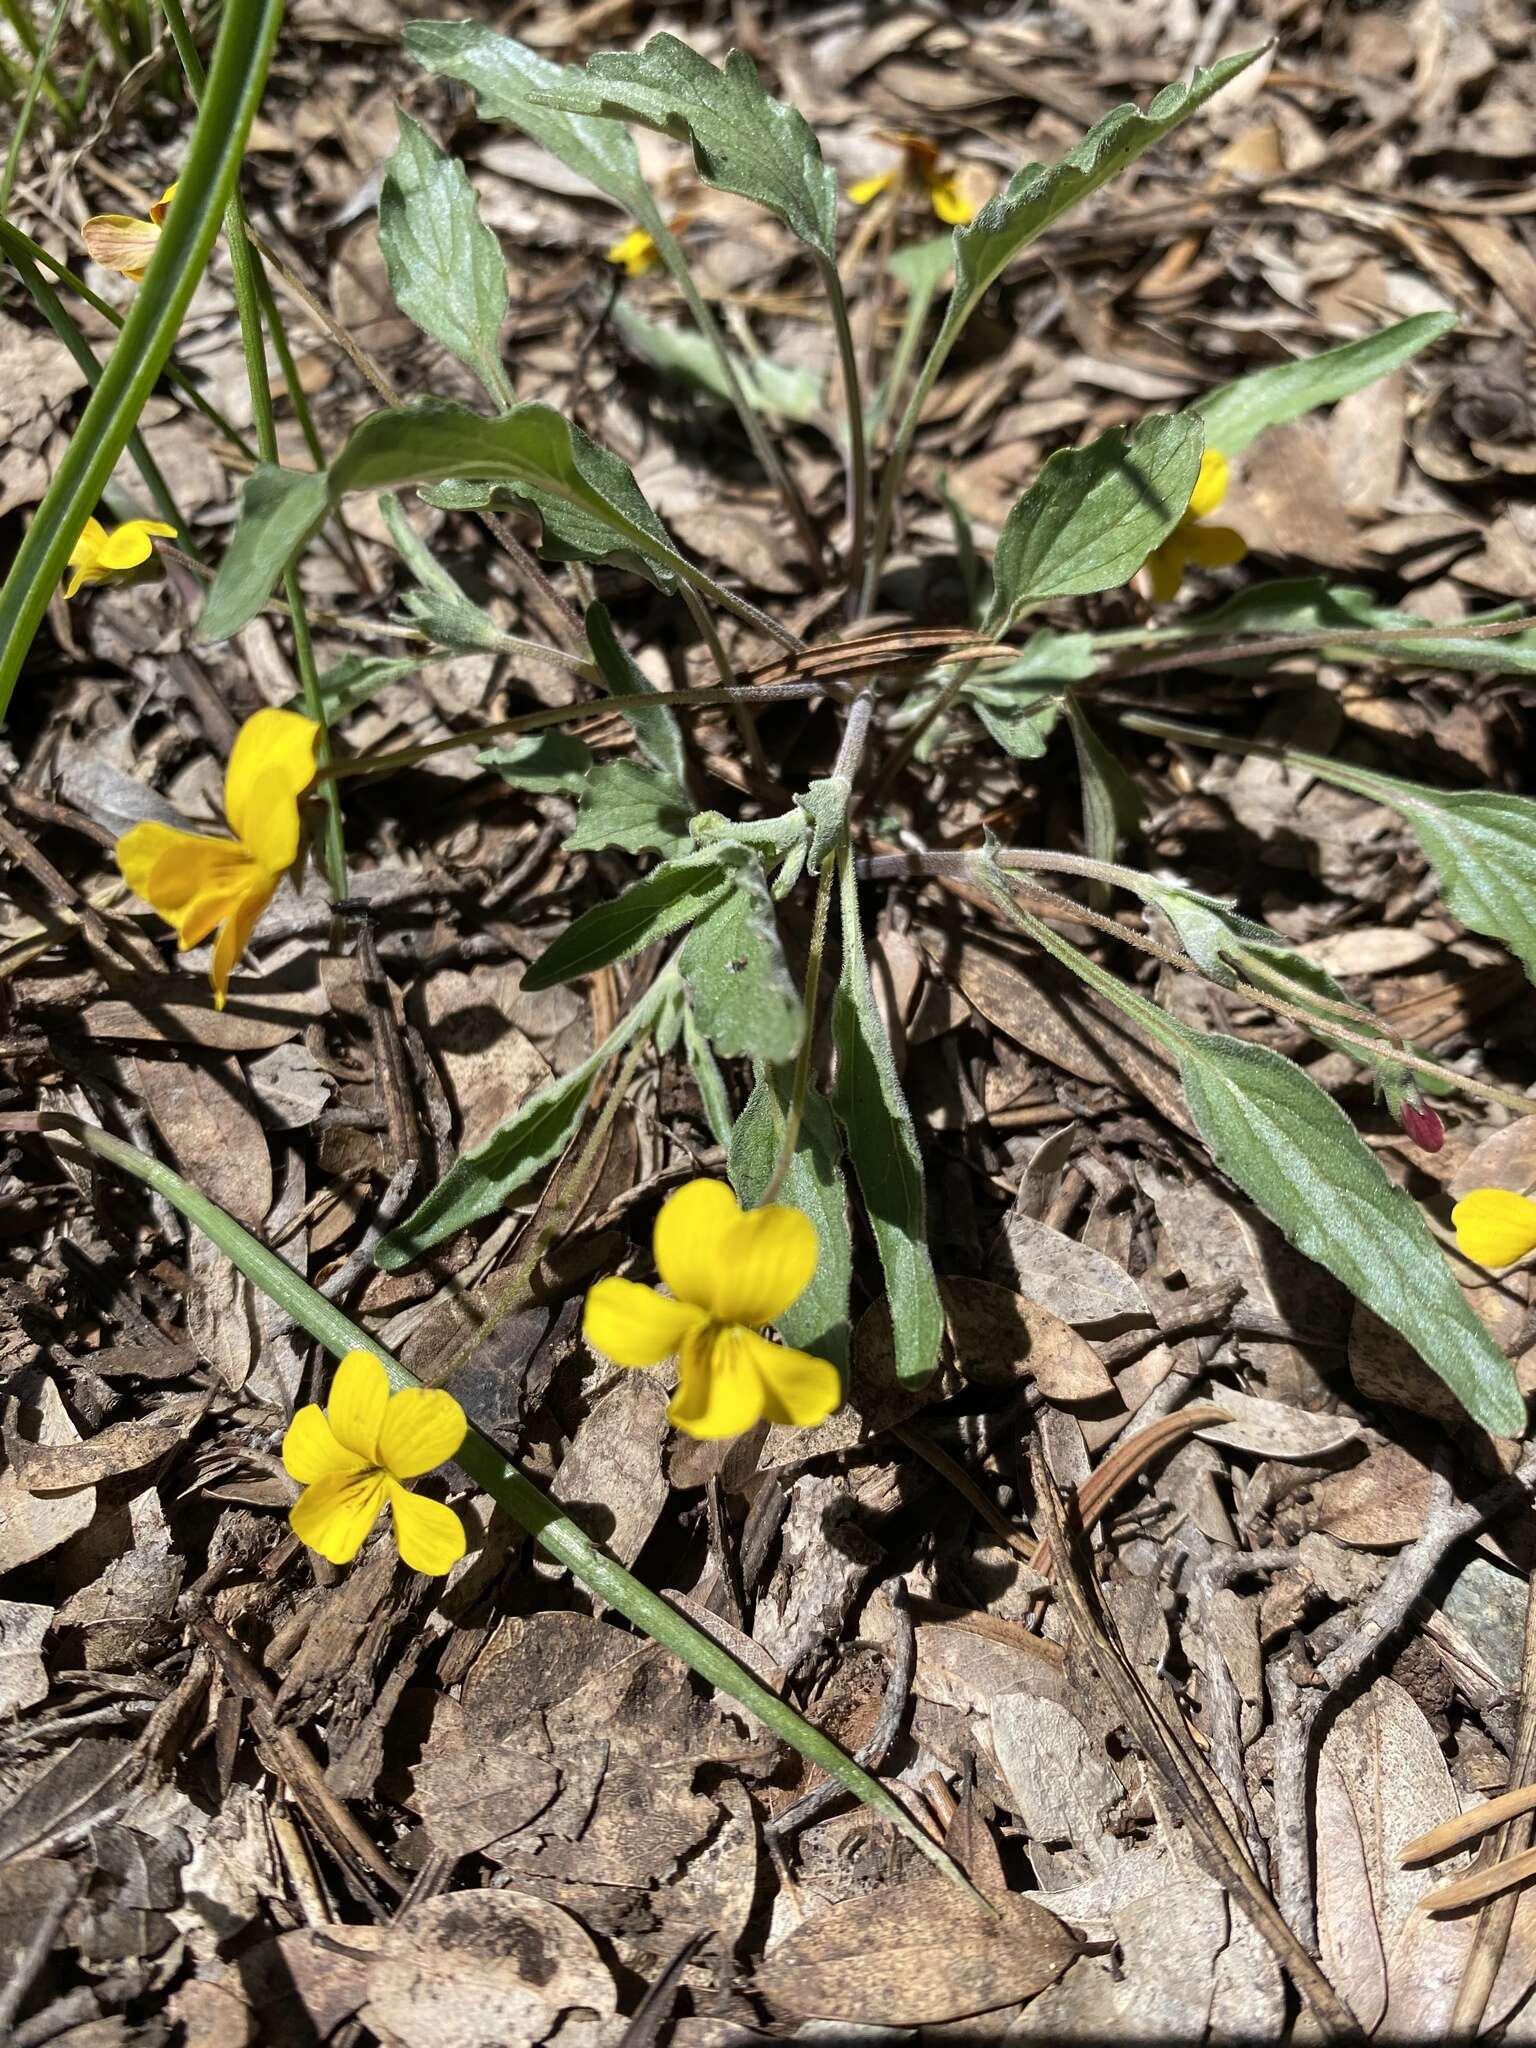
1422,1124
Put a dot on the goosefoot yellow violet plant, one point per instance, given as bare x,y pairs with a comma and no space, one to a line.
199,884
1209,547
727,1272
357,1453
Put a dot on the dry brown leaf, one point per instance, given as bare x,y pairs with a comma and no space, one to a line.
32,1524
1000,1336
914,1955
1271,1429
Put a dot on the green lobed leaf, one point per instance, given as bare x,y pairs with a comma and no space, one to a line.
358,677
1037,195
1093,515
1297,1156
657,732
671,896
548,763
1238,412
632,806
586,497
745,1001
744,141
445,266
818,1321
508,80
882,1145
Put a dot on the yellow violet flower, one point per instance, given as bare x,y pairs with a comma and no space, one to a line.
351,1456
729,1271
122,242
920,169
1495,1227
97,556
197,883
1213,547
636,251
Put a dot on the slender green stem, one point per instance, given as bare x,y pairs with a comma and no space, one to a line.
40,75
13,242
487,1465
245,273
247,32
38,52
894,469
853,399
908,744
672,255
801,1082
746,724
54,311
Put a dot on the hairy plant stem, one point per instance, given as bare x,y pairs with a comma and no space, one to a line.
244,271
853,401
672,255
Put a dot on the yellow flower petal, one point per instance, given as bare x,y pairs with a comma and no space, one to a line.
635,251
126,546
85,555
797,1388
311,1452
162,205
192,881
120,242
423,1427
429,1536
271,764
871,188
1210,485
1495,1227
1165,569
635,1325
359,1398
949,203
235,933
1214,547
335,1514
720,1390
689,1241
741,1267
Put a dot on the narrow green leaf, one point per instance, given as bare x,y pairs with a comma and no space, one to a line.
586,497
1308,604
819,1321
1300,1160
1237,412
508,80
553,1530
445,266
548,763
356,678
1093,515
1037,196
711,1082
882,1146
1112,804
745,1001
671,896
1296,1154
236,77
774,388
657,732
744,141
632,806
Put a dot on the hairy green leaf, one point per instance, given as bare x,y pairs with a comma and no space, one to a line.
671,896
711,1082
445,266
744,140
632,806
508,80
586,497
775,388
818,1321
1093,515
1237,412
1021,702
1307,604
1112,804
357,677
1297,1156
744,997
657,732
882,1146
549,763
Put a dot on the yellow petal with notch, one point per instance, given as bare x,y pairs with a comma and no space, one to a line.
311,1450
720,1390
423,1427
358,1400
634,1325
429,1536
1495,1227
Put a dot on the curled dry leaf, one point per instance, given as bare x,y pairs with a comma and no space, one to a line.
915,1955
1272,1429
999,1335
